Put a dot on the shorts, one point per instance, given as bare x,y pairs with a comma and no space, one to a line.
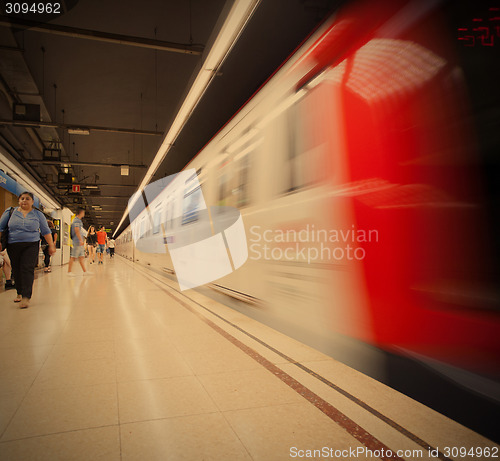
76,251
100,248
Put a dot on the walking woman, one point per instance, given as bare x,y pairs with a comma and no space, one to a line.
91,243
25,224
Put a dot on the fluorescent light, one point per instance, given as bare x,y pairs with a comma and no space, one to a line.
84,131
240,13
229,33
91,187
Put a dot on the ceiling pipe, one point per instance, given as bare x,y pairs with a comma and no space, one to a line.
66,126
92,186
71,163
72,196
96,35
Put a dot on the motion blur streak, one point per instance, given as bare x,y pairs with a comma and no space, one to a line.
373,125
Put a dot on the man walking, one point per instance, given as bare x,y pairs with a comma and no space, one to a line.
77,238
102,238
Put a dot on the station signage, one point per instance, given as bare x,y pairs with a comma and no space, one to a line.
11,185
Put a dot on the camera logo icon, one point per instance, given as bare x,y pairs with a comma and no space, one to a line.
204,243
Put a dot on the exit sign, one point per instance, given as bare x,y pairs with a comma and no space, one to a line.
76,188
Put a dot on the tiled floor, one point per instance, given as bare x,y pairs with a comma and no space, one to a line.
116,367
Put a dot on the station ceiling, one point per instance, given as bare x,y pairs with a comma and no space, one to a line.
121,68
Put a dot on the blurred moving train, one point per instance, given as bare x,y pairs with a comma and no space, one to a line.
366,172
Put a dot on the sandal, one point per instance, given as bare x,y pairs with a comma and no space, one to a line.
18,299
25,302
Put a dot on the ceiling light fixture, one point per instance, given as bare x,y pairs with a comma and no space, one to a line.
233,24
84,131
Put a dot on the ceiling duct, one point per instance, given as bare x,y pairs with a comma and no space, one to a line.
26,112
52,154
64,179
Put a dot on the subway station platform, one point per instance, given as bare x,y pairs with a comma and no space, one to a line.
122,366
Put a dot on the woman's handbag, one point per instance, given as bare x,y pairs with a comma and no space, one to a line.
5,233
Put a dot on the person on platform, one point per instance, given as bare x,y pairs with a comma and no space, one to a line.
25,225
102,238
91,243
45,248
7,270
77,252
111,245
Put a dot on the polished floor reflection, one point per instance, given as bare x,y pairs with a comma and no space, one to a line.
121,367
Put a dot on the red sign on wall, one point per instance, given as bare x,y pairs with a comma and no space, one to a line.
76,188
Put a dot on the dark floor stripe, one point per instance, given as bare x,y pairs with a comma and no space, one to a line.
338,417
332,413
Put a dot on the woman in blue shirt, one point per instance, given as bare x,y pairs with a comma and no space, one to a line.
25,225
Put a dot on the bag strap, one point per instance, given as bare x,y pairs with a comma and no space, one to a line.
10,214
7,225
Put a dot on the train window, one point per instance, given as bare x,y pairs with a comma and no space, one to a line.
309,120
170,213
143,227
242,195
193,199
223,188
164,216
157,219
248,145
278,139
